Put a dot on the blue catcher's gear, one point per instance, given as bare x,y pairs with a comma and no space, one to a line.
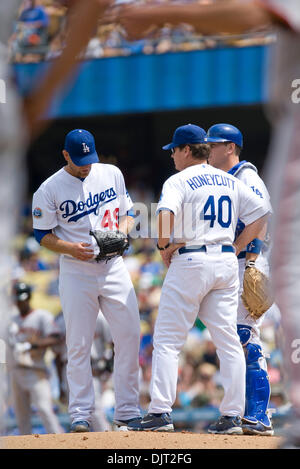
221,133
257,381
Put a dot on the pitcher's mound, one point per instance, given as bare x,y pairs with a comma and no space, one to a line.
139,440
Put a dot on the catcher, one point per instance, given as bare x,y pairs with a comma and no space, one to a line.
255,298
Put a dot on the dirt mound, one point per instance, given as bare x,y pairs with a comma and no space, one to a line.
136,440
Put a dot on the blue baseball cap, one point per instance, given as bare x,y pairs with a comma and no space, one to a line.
80,144
186,134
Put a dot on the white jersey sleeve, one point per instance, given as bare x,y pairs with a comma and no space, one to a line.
172,195
44,211
125,202
250,177
250,207
125,199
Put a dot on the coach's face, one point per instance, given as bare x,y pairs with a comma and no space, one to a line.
218,154
179,156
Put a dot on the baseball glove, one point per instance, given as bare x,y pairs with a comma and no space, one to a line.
256,296
111,244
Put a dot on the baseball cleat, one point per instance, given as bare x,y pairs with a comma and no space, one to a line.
227,425
80,426
122,424
153,423
257,428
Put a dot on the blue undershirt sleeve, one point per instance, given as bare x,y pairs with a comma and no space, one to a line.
39,234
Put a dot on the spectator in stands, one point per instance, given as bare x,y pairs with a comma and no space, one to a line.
31,35
35,17
56,46
56,12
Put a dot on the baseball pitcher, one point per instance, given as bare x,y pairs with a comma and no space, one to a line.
82,197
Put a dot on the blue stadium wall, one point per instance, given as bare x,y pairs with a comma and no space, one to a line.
154,83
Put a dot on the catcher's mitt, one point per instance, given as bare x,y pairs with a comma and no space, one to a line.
256,296
111,244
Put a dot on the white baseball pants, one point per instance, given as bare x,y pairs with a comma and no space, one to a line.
205,282
84,287
98,419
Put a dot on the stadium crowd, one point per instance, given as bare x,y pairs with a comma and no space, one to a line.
198,383
41,29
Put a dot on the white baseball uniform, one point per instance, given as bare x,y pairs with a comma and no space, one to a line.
71,208
28,371
206,203
283,167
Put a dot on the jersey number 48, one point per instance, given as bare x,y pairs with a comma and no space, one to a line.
110,220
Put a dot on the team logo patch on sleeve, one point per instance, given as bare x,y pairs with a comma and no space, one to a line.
37,212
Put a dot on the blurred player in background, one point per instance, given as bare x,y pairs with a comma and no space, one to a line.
24,119
102,366
283,166
30,333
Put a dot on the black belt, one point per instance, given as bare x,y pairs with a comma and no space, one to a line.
225,248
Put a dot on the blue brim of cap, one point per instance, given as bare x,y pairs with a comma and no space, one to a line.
169,146
83,161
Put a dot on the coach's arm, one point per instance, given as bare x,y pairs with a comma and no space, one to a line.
165,228
232,17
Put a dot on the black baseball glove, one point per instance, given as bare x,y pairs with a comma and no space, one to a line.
111,244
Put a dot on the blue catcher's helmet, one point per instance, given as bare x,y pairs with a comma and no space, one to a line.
220,133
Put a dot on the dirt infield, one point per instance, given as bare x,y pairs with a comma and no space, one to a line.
133,440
